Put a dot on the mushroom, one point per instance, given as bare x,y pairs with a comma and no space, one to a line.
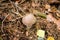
28,20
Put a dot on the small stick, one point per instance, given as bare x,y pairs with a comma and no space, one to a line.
21,9
16,18
17,13
3,22
16,5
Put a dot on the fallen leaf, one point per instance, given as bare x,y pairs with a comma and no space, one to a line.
40,14
41,33
58,24
51,18
50,38
47,6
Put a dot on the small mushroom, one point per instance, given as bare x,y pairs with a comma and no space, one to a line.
28,20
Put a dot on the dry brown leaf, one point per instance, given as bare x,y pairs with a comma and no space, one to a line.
58,24
15,38
35,4
53,9
47,6
51,18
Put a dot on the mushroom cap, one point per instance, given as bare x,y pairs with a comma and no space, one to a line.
29,19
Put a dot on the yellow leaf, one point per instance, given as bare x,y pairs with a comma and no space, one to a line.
50,38
41,33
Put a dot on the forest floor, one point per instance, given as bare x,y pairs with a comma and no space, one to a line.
46,12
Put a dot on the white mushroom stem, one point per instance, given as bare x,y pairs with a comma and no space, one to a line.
28,29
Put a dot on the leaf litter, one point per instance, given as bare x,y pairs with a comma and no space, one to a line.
47,14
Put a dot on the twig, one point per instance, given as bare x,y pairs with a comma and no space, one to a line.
16,18
21,9
17,7
3,22
17,13
22,2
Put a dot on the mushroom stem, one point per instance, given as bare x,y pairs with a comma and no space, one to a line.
28,29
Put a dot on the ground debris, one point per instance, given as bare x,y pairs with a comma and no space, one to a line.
47,14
